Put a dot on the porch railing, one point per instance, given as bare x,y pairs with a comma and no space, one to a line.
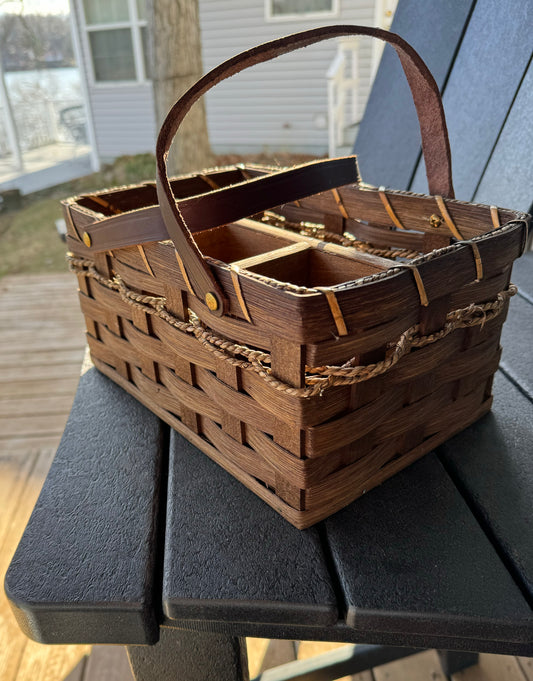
342,77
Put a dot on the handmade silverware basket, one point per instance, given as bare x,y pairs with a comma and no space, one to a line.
311,334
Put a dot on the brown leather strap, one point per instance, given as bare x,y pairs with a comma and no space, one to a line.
426,96
225,205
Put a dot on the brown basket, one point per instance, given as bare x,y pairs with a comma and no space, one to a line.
314,349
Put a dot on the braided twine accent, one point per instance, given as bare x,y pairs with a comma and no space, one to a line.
317,379
318,231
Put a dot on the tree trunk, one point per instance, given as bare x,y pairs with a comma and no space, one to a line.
176,65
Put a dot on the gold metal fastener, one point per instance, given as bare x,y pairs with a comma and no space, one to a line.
435,220
211,301
87,239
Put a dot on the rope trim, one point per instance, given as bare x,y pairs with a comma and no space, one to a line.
317,379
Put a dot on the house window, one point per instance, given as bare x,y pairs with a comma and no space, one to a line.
283,10
116,39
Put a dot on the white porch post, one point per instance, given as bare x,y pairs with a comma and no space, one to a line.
11,128
91,133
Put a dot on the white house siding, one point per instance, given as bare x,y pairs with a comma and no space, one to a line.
124,119
279,105
123,113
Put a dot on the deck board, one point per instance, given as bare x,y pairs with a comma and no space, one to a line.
41,350
32,417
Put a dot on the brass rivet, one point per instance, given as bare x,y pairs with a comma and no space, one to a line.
211,301
87,239
435,221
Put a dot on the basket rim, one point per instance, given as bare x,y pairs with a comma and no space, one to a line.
395,268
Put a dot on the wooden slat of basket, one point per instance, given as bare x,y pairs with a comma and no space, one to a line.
338,350
294,516
349,483
470,361
425,360
297,412
378,236
413,211
327,437
184,345
101,300
183,403
479,292
302,472
251,411
150,345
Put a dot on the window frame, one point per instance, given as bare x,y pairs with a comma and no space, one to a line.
302,16
135,25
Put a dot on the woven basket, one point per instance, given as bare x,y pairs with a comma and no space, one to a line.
316,335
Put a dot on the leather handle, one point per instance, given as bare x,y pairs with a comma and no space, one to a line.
428,104
224,205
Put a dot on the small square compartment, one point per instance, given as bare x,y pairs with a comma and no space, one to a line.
312,268
230,243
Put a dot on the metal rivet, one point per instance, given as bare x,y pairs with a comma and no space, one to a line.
87,239
435,220
211,301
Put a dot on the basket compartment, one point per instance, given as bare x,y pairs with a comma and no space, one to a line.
232,243
312,268
123,199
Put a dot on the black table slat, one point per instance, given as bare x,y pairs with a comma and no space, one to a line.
229,556
83,571
413,560
492,462
342,633
485,77
388,142
508,178
517,360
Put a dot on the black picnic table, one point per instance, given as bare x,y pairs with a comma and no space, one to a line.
138,537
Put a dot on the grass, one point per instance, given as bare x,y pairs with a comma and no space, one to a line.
29,242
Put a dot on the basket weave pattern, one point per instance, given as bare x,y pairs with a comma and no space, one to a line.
311,362
306,456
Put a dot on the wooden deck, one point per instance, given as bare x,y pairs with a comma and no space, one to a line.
41,350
